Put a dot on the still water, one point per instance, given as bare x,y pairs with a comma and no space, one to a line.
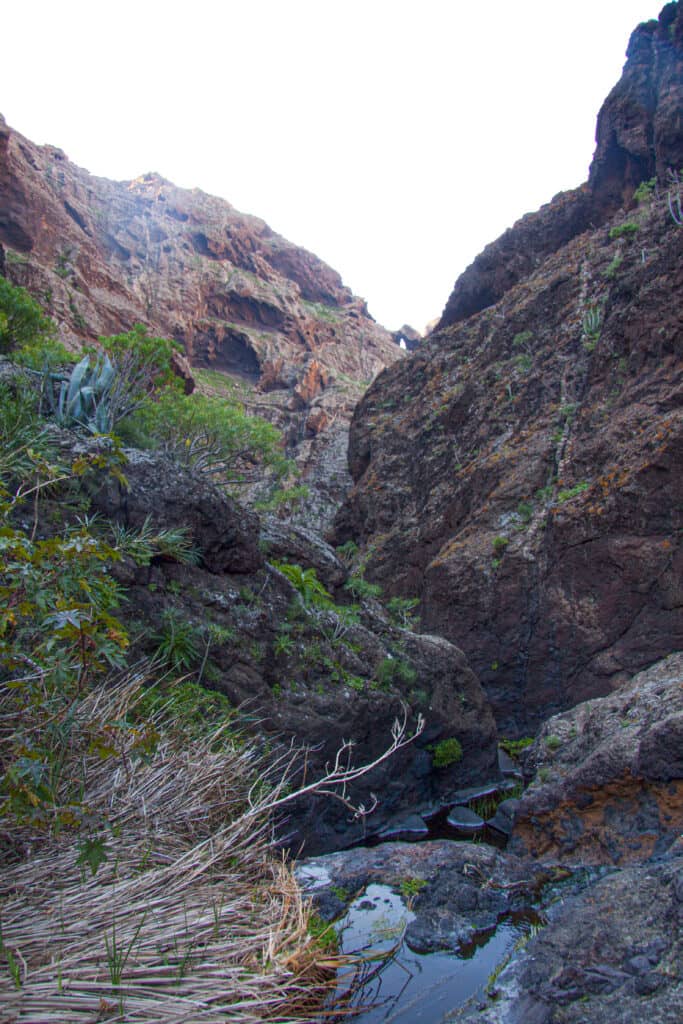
410,987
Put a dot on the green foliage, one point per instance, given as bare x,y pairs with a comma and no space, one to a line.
392,671
348,552
401,611
173,543
283,645
362,588
591,322
23,324
524,362
572,492
307,584
187,706
284,500
613,268
92,852
178,642
323,934
499,544
553,742
82,398
410,887
212,435
645,190
627,230
525,511
446,752
522,339
515,747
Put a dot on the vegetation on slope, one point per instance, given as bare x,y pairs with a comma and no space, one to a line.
137,882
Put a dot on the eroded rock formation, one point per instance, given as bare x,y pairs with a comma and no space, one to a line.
521,472
101,256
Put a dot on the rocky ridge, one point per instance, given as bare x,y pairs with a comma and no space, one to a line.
101,256
520,473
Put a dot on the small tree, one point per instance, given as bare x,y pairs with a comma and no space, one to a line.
22,321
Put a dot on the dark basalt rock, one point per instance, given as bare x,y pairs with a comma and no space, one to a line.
638,137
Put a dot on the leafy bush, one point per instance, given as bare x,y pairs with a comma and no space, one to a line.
394,670
178,642
306,582
362,588
211,434
645,191
23,324
572,492
627,230
446,752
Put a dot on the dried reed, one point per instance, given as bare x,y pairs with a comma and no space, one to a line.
190,919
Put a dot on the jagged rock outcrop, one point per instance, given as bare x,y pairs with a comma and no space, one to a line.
298,671
638,137
102,255
521,472
608,776
611,953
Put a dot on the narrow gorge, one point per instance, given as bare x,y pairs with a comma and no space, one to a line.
407,610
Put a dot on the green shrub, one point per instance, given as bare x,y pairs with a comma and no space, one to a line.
178,642
23,324
306,582
572,492
213,435
401,611
362,588
515,747
627,230
446,752
393,670
645,191
613,268
499,544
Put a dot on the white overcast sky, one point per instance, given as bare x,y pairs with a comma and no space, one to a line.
393,139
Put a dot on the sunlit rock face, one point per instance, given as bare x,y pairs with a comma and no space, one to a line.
101,256
521,472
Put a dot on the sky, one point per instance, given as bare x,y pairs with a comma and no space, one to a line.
393,139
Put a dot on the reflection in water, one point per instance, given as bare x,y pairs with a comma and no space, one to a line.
397,984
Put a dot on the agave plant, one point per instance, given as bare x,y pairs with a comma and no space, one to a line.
83,397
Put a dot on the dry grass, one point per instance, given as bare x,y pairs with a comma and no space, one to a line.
190,919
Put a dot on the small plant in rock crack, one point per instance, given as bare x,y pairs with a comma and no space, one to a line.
178,642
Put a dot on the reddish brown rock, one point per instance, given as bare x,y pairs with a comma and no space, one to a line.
521,472
638,137
608,775
103,255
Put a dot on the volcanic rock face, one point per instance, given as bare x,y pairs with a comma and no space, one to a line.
302,674
638,137
521,472
101,256
608,775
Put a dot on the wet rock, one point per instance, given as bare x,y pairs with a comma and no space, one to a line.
613,952
468,888
608,782
504,817
412,826
465,820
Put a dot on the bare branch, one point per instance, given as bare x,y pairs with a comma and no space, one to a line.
337,776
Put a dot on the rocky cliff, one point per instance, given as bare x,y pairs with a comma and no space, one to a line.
521,472
101,256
